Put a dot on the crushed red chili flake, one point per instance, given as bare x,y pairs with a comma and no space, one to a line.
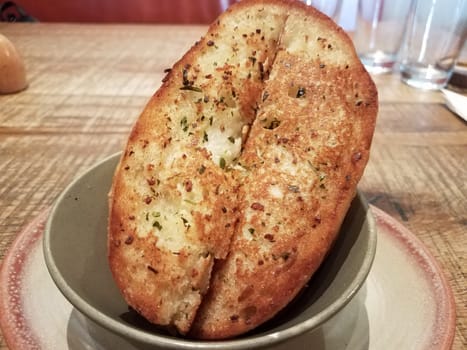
188,185
356,157
129,240
234,318
257,206
131,217
210,43
151,181
269,237
147,200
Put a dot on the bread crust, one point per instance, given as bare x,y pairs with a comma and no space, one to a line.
215,238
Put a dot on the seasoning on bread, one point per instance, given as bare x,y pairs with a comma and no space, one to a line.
237,175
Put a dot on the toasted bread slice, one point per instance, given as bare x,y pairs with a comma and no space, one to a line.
173,205
247,158
306,151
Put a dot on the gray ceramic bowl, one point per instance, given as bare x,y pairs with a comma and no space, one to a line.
76,256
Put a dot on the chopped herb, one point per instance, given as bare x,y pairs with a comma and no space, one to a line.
157,225
222,163
210,120
273,124
184,124
231,139
285,255
205,136
252,59
191,88
201,169
185,75
156,214
152,269
185,222
251,230
293,188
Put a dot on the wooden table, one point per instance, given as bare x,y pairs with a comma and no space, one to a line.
88,84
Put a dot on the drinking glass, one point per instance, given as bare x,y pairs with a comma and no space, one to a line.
435,34
379,30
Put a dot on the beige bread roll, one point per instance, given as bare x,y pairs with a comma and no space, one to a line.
238,174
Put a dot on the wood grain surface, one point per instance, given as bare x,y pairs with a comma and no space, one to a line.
88,84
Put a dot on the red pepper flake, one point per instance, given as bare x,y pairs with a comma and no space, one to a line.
151,181
147,200
234,318
210,43
188,185
129,240
269,237
356,157
318,219
127,167
257,206
131,217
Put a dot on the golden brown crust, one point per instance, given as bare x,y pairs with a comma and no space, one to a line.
193,189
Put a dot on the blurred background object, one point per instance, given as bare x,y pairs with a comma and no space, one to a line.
12,71
125,11
379,30
435,35
159,11
458,79
11,12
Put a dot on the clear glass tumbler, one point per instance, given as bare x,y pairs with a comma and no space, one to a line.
435,35
379,31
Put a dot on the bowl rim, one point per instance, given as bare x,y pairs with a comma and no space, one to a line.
260,340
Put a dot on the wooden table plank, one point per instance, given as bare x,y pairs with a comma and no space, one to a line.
88,84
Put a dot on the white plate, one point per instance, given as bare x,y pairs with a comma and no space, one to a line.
405,303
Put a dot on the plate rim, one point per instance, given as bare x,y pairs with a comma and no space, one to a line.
26,240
